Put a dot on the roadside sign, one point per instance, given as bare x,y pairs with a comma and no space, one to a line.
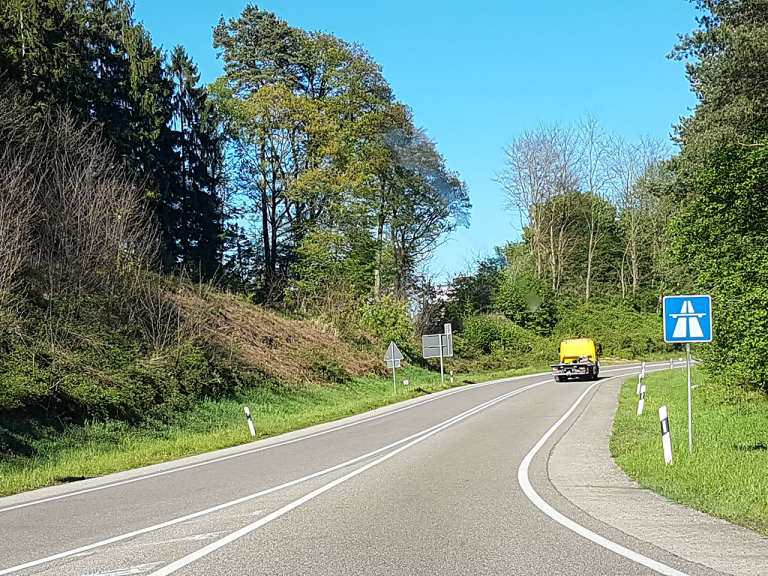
687,319
392,358
432,344
438,346
394,354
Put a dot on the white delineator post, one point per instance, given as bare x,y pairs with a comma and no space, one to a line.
671,364
250,422
666,440
451,376
639,382
641,404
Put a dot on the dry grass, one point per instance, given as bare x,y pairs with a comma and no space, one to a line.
285,348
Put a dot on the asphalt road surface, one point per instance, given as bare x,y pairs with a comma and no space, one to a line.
450,483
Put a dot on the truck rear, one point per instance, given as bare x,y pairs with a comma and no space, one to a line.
578,359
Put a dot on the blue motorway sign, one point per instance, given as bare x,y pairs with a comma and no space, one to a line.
687,319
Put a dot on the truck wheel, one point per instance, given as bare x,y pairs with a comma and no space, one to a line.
558,378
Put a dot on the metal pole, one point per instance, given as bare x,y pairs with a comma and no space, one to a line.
394,377
442,374
690,411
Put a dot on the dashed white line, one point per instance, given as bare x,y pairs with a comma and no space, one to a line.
210,548
219,507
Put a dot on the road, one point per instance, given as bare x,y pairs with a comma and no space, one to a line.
450,483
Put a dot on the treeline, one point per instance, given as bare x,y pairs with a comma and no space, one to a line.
592,218
296,172
296,180
611,226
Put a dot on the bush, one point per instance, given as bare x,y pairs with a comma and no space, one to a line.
622,331
495,334
528,302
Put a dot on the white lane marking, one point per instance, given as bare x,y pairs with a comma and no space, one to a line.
538,501
276,445
210,548
263,492
140,569
195,538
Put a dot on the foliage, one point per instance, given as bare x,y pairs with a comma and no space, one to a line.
495,334
622,331
388,318
527,301
722,234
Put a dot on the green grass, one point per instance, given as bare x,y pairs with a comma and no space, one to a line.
100,448
727,473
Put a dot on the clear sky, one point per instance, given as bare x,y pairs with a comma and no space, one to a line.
476,74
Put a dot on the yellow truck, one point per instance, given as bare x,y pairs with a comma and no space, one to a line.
578,359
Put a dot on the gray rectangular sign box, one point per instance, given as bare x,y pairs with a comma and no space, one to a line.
431,344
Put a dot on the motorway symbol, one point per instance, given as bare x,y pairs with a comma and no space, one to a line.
688,318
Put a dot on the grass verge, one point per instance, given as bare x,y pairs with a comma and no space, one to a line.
727,473
104,447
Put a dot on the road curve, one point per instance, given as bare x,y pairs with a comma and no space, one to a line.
450,483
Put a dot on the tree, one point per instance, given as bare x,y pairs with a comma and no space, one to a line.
728,68
540,179
192,209
323,153
425,202
721,234
628,164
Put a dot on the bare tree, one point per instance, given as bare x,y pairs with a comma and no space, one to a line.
18,189
92,226
68,211
592,175
541,168
627,163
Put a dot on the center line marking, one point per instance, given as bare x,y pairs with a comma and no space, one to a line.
219,507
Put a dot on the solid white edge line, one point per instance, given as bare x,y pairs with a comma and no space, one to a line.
276,445
538,501
210,548
219,507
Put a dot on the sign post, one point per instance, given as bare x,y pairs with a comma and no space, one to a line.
438,346
688,319
392,358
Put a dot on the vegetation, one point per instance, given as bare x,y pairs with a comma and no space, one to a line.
105,446
170,250
724,474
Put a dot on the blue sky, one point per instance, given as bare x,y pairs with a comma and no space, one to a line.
477,74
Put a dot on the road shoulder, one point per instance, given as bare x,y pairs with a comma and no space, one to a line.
582,470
